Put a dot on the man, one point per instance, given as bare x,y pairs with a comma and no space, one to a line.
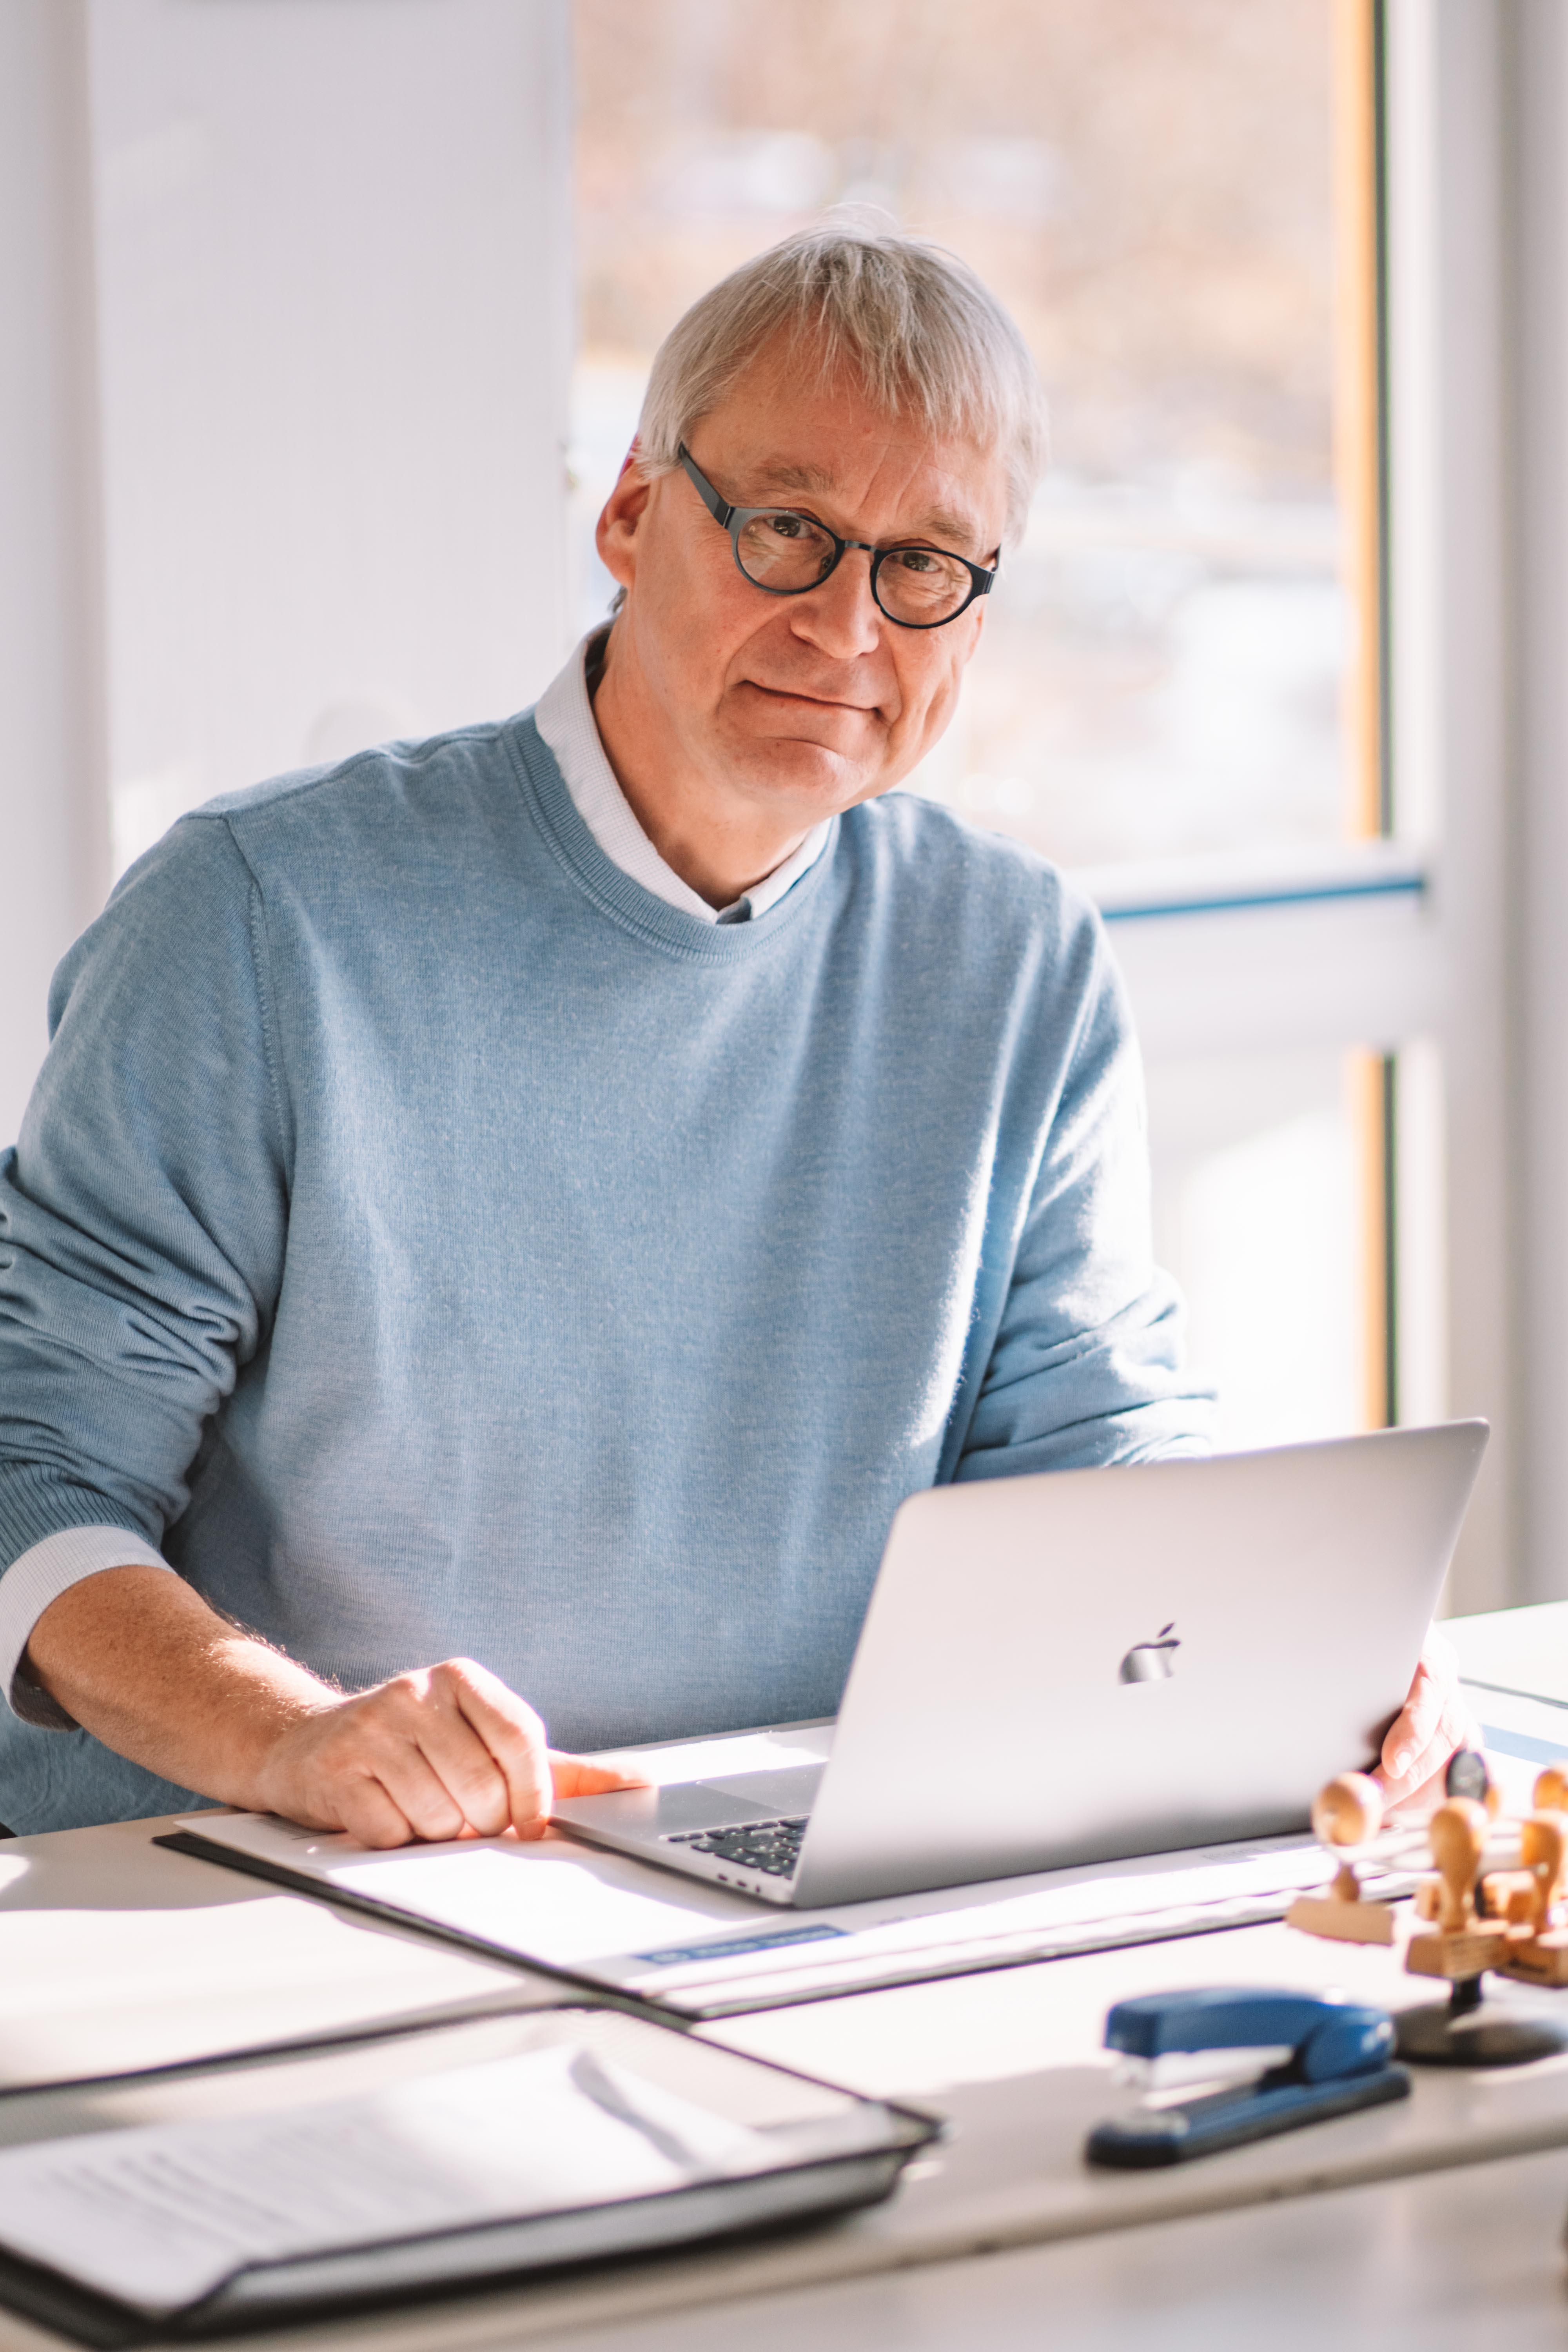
549,1193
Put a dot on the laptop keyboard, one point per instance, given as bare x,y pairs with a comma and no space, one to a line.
769,1846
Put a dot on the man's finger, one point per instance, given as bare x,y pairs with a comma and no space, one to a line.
459,1757
1439,1655
1418,1796
1406,1764
1458,1727
1455,1729
514,1737
363,1807
573,1776
1433,1722
418,1791
1417,1724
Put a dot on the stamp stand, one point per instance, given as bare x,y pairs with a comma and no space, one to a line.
1494,1902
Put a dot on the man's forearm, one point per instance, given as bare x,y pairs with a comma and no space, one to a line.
141,1661
440,1751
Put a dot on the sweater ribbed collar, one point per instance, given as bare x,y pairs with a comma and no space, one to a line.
623,900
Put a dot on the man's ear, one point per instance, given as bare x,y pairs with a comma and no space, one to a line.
617,535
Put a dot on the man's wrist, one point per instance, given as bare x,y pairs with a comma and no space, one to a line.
144,1664
267,1698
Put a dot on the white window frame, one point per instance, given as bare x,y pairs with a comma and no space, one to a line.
1449,946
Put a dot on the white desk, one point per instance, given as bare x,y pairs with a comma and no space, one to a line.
1320,2232
1516,1649
1012,2059
1454,2262
115,1954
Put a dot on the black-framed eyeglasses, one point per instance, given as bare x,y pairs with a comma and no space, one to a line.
784,551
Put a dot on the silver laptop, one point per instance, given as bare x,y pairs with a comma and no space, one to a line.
1073,1667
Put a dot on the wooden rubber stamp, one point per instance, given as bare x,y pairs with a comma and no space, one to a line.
1495,1903
1347,1815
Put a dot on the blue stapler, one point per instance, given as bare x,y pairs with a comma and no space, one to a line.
1322,2057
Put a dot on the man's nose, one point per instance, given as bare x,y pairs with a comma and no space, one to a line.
841,617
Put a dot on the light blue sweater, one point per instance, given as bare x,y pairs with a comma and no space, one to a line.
442,1246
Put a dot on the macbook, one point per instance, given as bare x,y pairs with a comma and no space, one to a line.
1076,1667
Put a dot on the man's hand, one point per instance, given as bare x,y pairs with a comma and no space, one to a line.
1431,1723
140,1660
446,1752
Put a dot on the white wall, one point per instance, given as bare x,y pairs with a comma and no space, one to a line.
333,239
1481,610
333,345
53,819
1539,193
1451,235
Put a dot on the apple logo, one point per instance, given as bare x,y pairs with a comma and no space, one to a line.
1151,1662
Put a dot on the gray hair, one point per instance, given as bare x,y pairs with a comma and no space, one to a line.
910,322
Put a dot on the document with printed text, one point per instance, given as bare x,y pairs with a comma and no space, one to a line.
160,2217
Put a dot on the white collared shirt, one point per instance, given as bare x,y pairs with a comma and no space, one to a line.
565,716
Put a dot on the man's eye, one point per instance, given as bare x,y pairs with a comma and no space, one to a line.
917,559
789,526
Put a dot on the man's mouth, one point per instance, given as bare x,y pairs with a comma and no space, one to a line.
809,701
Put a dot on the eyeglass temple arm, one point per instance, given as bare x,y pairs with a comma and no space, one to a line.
705,490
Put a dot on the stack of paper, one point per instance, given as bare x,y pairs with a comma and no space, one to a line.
367,2172
160,2218
613,1922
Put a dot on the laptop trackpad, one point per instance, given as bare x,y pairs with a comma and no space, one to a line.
790,1791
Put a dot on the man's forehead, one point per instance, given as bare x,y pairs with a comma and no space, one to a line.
935,505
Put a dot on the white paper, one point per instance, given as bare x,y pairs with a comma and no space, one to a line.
548,1904
630,1924
161,2215
548,1901
983,1928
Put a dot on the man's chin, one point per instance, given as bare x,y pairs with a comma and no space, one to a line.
818,780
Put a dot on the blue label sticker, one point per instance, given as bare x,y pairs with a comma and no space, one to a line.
1520,1744
671,1956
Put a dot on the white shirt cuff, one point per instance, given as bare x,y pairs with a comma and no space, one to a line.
40,1576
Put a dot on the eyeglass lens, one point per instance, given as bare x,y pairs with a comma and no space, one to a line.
786,552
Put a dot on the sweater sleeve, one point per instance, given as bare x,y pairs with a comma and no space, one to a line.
1088,1363
143,1213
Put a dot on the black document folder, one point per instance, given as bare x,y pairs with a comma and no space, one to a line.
245,2194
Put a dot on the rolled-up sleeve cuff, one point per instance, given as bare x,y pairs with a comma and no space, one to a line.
40,1576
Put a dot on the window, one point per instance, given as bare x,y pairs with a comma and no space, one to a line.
1179,689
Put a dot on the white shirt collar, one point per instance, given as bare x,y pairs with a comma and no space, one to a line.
564,718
